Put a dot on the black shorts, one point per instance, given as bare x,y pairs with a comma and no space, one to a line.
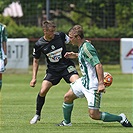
55,77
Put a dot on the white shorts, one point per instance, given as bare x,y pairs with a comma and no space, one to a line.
2,66
92,97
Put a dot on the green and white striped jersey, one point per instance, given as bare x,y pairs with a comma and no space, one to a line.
3,38
88,58
3,33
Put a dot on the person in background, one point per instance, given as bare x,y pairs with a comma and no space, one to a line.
3,51
90,85
52,45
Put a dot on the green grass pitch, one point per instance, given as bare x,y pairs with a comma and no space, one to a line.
17,105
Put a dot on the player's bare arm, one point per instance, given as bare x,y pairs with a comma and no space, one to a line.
5,52
34,72
99,70
71,55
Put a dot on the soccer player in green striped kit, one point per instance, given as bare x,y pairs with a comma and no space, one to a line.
3,50
90,85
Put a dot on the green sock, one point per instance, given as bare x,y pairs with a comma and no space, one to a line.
67,109
106,117
0,84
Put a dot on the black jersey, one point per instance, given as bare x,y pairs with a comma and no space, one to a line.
54,51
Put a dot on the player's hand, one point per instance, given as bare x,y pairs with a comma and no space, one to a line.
88,41
68,54
71,55
101,88
33,82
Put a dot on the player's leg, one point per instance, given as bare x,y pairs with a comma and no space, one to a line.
0,81
46,85
68,104
94,99
41,100
70,75
48,82
3,63
74,77
104,116
107,117
67,108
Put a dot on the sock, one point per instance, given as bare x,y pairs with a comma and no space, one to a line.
67,109
106,117
40,102
0,84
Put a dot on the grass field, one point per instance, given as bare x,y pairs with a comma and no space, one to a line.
18,105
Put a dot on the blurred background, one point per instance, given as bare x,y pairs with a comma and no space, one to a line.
105,22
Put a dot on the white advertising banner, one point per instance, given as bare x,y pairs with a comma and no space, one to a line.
17,54
127,55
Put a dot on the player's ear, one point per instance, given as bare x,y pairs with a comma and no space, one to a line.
78,37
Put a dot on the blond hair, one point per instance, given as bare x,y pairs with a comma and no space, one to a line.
77,30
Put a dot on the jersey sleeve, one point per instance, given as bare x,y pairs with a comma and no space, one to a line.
36,51
90,54
67,40
64,38
4,34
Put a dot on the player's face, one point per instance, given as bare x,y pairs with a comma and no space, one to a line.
73,39
49,33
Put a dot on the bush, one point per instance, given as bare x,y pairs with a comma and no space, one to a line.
108,51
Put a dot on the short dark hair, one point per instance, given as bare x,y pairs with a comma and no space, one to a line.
47,24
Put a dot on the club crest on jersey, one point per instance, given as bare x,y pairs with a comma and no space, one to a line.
71,69
52,47
55,56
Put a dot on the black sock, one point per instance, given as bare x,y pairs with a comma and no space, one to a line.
39,104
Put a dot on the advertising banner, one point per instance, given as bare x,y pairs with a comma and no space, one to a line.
127,55
17,54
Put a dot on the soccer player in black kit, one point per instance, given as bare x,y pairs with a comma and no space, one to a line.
52,45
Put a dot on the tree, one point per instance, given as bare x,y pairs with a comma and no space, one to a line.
3,4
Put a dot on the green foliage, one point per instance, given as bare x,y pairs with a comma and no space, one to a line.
112,53
8,21
109,51
3,4
91,14
62,25
20,31
24,32
123,14
120,32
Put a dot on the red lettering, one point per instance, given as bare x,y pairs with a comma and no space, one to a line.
130,52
